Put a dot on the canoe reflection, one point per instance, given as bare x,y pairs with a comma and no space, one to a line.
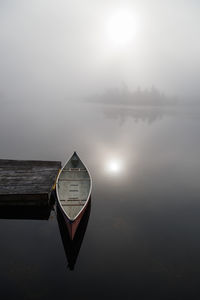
72,247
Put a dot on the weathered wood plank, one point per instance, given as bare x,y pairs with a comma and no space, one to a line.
27,182
29,163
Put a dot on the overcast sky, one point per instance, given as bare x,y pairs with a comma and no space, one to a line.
62,49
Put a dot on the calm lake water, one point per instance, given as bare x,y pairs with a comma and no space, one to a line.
142,239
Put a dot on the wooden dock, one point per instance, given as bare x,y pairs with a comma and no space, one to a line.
27,183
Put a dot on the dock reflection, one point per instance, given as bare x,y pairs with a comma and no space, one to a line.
72,247
25,213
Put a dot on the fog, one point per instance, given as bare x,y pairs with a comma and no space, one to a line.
59,50
75,77
57,54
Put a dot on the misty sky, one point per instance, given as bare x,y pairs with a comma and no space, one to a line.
61,50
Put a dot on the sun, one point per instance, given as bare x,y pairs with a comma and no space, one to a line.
122,27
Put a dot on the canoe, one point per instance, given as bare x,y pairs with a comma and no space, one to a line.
72,247
73,190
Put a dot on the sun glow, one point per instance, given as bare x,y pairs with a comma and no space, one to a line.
122,27
113,166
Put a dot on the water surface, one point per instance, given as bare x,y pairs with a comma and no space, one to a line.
142,239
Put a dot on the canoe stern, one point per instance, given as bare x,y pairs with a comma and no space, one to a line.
73,225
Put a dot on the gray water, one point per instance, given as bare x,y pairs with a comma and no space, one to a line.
142,240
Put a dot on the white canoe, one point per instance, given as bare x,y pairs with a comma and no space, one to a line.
73,189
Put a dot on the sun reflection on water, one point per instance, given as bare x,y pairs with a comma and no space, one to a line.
114,166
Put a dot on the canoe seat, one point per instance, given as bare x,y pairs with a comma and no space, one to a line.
72,179
75,169
65,200
72,204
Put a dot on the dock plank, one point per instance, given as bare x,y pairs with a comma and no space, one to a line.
27,182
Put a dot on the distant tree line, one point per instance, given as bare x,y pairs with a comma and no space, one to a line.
123,96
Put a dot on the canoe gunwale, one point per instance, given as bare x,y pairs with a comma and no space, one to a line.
89,193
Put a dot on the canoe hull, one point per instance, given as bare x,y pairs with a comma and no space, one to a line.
72,247
73,225
73,190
